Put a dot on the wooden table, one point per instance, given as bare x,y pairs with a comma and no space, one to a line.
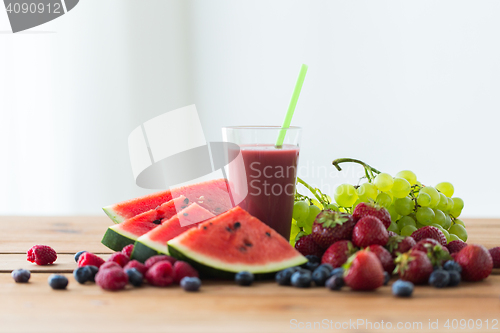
220,306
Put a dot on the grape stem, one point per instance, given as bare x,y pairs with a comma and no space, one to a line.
311,189
369,170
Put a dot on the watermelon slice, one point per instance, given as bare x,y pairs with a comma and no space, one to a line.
155,241
120,235
232,242
212,195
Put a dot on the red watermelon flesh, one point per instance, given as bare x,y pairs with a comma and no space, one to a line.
214,197
235,241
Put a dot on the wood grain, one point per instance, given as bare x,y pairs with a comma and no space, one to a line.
65,263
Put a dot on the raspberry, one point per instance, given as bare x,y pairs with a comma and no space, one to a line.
160,274
183,269
42,255
495,255
154,259
137,265
127,250
109,265
90,259
119,258
111,279
456,246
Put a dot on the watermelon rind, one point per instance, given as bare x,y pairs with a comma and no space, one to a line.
113,215
116,239
143,252
217,268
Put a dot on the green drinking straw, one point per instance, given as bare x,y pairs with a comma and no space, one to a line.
291,106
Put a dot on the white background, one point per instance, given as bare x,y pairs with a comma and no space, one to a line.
399,84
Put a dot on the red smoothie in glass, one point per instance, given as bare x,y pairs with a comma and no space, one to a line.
270,174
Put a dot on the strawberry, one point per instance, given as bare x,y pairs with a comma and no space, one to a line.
495,255
392,233
338,253
414,266
331,226
372,209
437,254
429,232
456,246
368,231
363,271
384,256
400,244
90,259
306,246
476,262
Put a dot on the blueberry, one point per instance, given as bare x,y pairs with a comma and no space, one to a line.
402,288
190,283
320,275
301,279
21,275
58,281
327,266
387,278
283,277
452,265
78,254
244,278
335,282
454,278
313,258
435,268
134,277
94,270
439,278
82,274
339,271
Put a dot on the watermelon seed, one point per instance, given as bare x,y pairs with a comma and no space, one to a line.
217,209
243,249
182,207
268,234
186,201
237,225
205,227
247,243
185,214
229,229
157,221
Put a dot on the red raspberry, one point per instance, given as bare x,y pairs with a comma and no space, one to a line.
90,259
495,255
154,259
111,279
127,250
160,274
119,258
109,265
183,269
137,265
42,255
456,246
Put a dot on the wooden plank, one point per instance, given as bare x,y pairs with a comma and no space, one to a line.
65,263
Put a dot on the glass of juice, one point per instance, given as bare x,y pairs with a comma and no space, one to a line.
268,173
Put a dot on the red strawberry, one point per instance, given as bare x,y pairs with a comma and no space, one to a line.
137,265
384,256
183,269
338,253
119,258
437,254
127,250
414,266
331,226
392,233
495,255
363,271
372,209
429,232
160,274
476,262
456,245
160,257
306,246
400,244
368,231
42,255
90,259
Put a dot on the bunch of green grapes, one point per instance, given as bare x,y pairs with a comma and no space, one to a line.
411,204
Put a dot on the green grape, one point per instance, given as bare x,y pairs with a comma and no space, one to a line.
332,207
317,203
300,211
434,195
404,206
425,215
408,175
454,237
384,199
450,205
308,229
313,212
393,227
443,202
406,220
424,199
435,225
447,224
408,230
345,195
293,232
446,188
358,201
460,231
439,217
459,221
446,234
394,214
383,182
401,188
458,205
367,191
